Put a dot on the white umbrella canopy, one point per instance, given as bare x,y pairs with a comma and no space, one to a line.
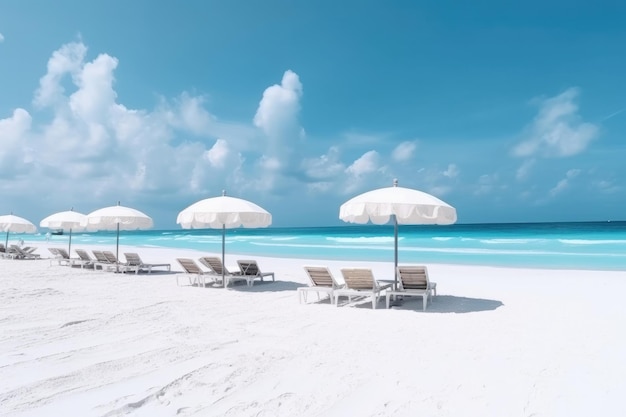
117,218
67,221
15,224
402,205
223,212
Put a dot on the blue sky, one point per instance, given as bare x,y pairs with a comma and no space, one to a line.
510,113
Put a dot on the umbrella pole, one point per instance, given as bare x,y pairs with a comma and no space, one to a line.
117,250
69,247
223,251
6,242
395,259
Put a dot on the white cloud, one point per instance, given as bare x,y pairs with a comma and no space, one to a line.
218,154
557,130
277,114
451,172
362,170
524,170
366,164
404,151
325,167
93,150
69,59
565,182
14,142
1,38
607,187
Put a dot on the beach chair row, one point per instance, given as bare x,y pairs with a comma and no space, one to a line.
18,252
248,272
413,281
105,261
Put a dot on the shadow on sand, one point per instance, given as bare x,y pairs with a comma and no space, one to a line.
439,304
259,286
269,286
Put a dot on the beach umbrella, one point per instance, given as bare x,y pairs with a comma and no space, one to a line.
15,224
223,212
399,204
66,221
117,218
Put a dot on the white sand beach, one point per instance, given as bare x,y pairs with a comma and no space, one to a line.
495,342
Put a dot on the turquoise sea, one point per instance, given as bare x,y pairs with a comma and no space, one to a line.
588,245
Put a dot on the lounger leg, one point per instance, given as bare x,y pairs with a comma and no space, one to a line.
424,301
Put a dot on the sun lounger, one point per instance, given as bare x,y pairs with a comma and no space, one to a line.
133,260
194,273
16,252
57,257
360,282
119,266
215,264
85,260
414,282
102,262
250,269
320,280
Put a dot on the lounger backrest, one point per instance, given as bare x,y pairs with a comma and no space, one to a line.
413,277
63,253
359,278
320,276
214,263
249,268
54,251
133,259
100,256
110,256
189,266
83,255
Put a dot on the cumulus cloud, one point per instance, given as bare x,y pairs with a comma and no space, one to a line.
524,170
1,38
366,164
362,170
92,149
557,130
218,154
14,142
565,182
404,151
277,114
66,61
451,172
324,167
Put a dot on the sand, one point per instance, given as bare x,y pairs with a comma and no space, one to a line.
495,342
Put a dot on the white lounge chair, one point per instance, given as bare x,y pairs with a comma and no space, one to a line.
133,260
85,261
320,280
215,264
119,266
102,262
16,252
414,282
194,273
360,282
250,270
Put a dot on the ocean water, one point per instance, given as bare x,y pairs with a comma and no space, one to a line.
589,245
